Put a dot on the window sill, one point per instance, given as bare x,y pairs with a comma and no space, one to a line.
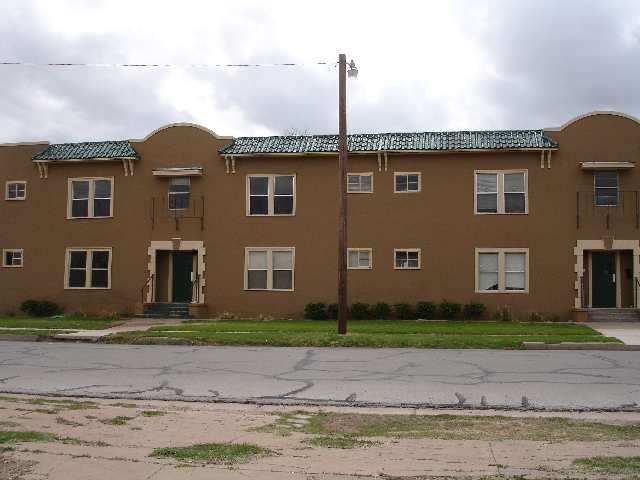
407,268
12,266
500,213
359,268
268,290
271,215
87,288
16,199
503,291
89,218
407,191
360,192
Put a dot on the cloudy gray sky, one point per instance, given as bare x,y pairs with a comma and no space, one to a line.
424,65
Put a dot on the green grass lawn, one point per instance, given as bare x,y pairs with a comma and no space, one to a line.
368,333
68,322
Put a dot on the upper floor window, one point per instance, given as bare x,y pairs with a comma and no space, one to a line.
406,182
15,190
501,192
605,185
360,182
358,258
88,268
179,193
502,270
269,268
271,194
406,258
90,198
12,257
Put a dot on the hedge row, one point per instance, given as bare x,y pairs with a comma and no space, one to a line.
402,311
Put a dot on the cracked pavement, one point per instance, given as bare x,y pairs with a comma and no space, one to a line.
560,380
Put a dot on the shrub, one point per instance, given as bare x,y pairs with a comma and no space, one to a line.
360,311
40,308
503,314
381,311
426,310
404,311
332,311
449,310
474,310
315,311
535,317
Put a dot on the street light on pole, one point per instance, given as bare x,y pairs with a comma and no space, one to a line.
342,188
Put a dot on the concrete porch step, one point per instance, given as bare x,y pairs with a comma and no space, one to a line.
165,310
614,315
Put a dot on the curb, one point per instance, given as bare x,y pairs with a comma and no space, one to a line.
621,347
307,402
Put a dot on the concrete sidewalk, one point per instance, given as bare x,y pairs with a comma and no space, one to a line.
627,332
103,448
132,325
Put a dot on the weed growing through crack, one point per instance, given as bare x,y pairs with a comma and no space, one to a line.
218,453
341,441
152,413
119,420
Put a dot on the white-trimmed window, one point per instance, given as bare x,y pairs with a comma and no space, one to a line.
503,270
271,195
406,258
269,268
90,198
605,188
407,182
179,193
360,182
501,191
88,268
15,190
359,258
12,257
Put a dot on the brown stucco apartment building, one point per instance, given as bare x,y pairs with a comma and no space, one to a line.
540,221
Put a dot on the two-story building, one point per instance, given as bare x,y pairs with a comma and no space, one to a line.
540,221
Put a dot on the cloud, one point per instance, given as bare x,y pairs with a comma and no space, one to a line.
426,65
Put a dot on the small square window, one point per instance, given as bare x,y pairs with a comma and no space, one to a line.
407,259
16,190
360,182
359,258
12,258
406,182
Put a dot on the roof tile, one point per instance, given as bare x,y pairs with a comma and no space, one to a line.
86,151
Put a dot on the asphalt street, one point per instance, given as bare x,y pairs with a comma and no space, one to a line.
353,376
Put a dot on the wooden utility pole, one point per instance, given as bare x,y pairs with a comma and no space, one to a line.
342,192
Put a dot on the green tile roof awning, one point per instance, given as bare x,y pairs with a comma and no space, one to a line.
415,142
112,150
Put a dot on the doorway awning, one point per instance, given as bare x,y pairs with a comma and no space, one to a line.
607,165
178,172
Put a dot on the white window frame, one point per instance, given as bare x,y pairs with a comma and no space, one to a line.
91,198
270,194
616,188
501,193
88,265
396,250
8,183
360,267
359,174
12,250
269,251
501,269
406,174
170,194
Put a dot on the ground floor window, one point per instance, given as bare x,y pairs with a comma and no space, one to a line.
269,268
502,270
359,258
12,257
88,268
406,258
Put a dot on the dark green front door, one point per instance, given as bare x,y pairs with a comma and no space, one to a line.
182,271
603,278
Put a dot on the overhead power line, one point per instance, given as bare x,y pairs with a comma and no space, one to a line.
163,65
